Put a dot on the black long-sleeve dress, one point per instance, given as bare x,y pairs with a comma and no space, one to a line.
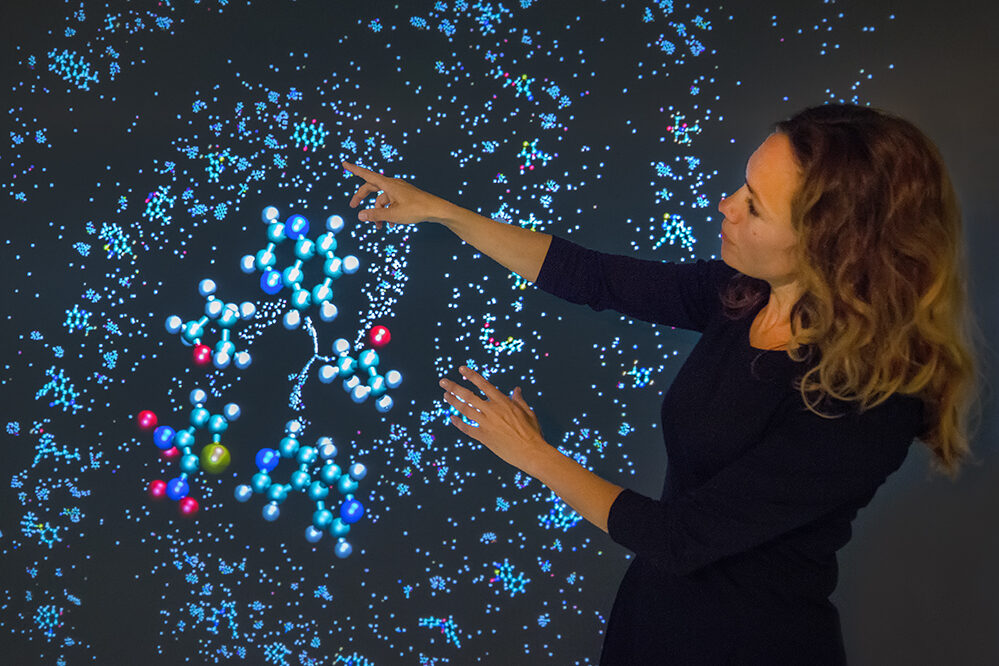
735,562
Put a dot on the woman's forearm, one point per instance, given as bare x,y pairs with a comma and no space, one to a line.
519,250
588,494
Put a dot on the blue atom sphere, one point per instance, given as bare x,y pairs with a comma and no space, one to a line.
296,227
270,281
163,437
177,488
351,511
267,459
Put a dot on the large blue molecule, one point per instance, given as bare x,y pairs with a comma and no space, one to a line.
316,485
273,280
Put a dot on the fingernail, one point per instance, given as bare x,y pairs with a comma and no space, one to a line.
443,382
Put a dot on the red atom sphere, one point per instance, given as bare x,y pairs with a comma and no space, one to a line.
147,420
157,489
171,453
379,336
202,354
188,506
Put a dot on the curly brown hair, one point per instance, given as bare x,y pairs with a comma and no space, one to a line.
884,304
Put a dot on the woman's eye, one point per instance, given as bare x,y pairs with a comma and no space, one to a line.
752,208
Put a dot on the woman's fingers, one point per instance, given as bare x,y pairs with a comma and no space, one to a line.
362,192
367,174
488,389
462,394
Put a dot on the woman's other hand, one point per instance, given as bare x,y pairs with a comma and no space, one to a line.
397,202
507,426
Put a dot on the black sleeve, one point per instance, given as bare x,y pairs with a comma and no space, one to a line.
805,467
676,294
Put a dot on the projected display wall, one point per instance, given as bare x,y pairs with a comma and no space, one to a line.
224,436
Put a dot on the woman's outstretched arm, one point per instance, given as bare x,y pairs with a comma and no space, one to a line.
519,250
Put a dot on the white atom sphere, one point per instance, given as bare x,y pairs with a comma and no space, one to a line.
213,308
327,373
357,471
393,378
243,492
198,397
246,264
360,394
292,319
221,360
174,324
231,411
269,214
351,264
341,346
293,427
334,223
343,549
383,404
243,359
312,535
247,310
327,449
206,287
328,311
352,383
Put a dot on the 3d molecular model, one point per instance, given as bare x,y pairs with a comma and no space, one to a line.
214,456
272,280
348,368
350,510
225,315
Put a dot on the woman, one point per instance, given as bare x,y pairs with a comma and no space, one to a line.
834,331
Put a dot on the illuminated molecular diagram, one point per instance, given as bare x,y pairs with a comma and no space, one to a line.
313,134
225,316
330,475
272,280
214,456
348,368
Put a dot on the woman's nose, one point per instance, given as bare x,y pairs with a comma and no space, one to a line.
722,205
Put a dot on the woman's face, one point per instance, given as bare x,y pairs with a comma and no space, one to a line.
757,238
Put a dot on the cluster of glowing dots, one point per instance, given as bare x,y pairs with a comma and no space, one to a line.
214,457
349,368
330,476
225,316
273,281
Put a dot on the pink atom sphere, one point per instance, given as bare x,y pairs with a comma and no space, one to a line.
171,453
157,489
202,354
146,419
188,506
379,336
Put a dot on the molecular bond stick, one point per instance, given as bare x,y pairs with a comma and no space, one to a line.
214,456
330,475
348,368
225,316
272,280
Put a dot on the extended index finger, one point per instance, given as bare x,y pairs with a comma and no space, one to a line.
367,174
488,389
